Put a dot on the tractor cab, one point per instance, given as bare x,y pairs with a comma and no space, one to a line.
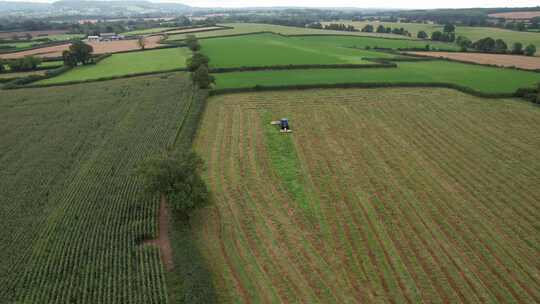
283,125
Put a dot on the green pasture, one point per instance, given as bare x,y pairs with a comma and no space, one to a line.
374,42
270,49
480,78
149,31
60,37
473,33
126,64
246,28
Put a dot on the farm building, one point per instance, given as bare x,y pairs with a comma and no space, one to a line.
110,37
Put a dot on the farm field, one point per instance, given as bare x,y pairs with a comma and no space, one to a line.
246,28
126,64
473,33
99,48
271,49
153,30
73,213
373,42
516,15
20,74
9,35
378,196
480,78
523,62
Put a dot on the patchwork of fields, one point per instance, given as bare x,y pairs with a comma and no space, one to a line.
378,196
476,77
126,64
73,212
473,33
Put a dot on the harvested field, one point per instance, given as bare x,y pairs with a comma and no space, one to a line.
378,196
516,15
44,52
152,42
523,62
99,48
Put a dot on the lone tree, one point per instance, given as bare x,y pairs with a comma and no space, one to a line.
177,177
142,43
422,35
197,60
81,51
202,77
530,50
69,59
192,43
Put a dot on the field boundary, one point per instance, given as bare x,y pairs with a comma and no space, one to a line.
469,62
379,64
262,88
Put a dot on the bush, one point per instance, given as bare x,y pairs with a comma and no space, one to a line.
530,50
517,49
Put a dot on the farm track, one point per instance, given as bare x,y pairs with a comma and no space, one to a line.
414,195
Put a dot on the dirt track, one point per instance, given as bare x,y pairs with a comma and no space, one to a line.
523,62
163,238
99,48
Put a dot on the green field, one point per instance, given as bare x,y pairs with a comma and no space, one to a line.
126,64
73,211
377,196
480,78
373,42
473,33
61,37
153,30
246,28
271,49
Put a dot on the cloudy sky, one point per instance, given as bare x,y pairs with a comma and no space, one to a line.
365,3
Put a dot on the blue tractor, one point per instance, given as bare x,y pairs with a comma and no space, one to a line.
283,125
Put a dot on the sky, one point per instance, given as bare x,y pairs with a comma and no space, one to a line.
407,4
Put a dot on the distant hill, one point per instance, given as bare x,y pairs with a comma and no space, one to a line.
93,8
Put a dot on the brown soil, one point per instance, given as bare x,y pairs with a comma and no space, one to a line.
523,62
99,48
516,15
163,237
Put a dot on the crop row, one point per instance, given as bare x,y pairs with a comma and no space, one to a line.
410,197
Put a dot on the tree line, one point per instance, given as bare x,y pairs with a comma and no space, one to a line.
197,64
27,63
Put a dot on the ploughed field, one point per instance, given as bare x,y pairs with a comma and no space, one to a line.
72,210
522,62
378,195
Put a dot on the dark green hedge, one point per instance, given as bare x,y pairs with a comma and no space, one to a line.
304,67
364,85
11,87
